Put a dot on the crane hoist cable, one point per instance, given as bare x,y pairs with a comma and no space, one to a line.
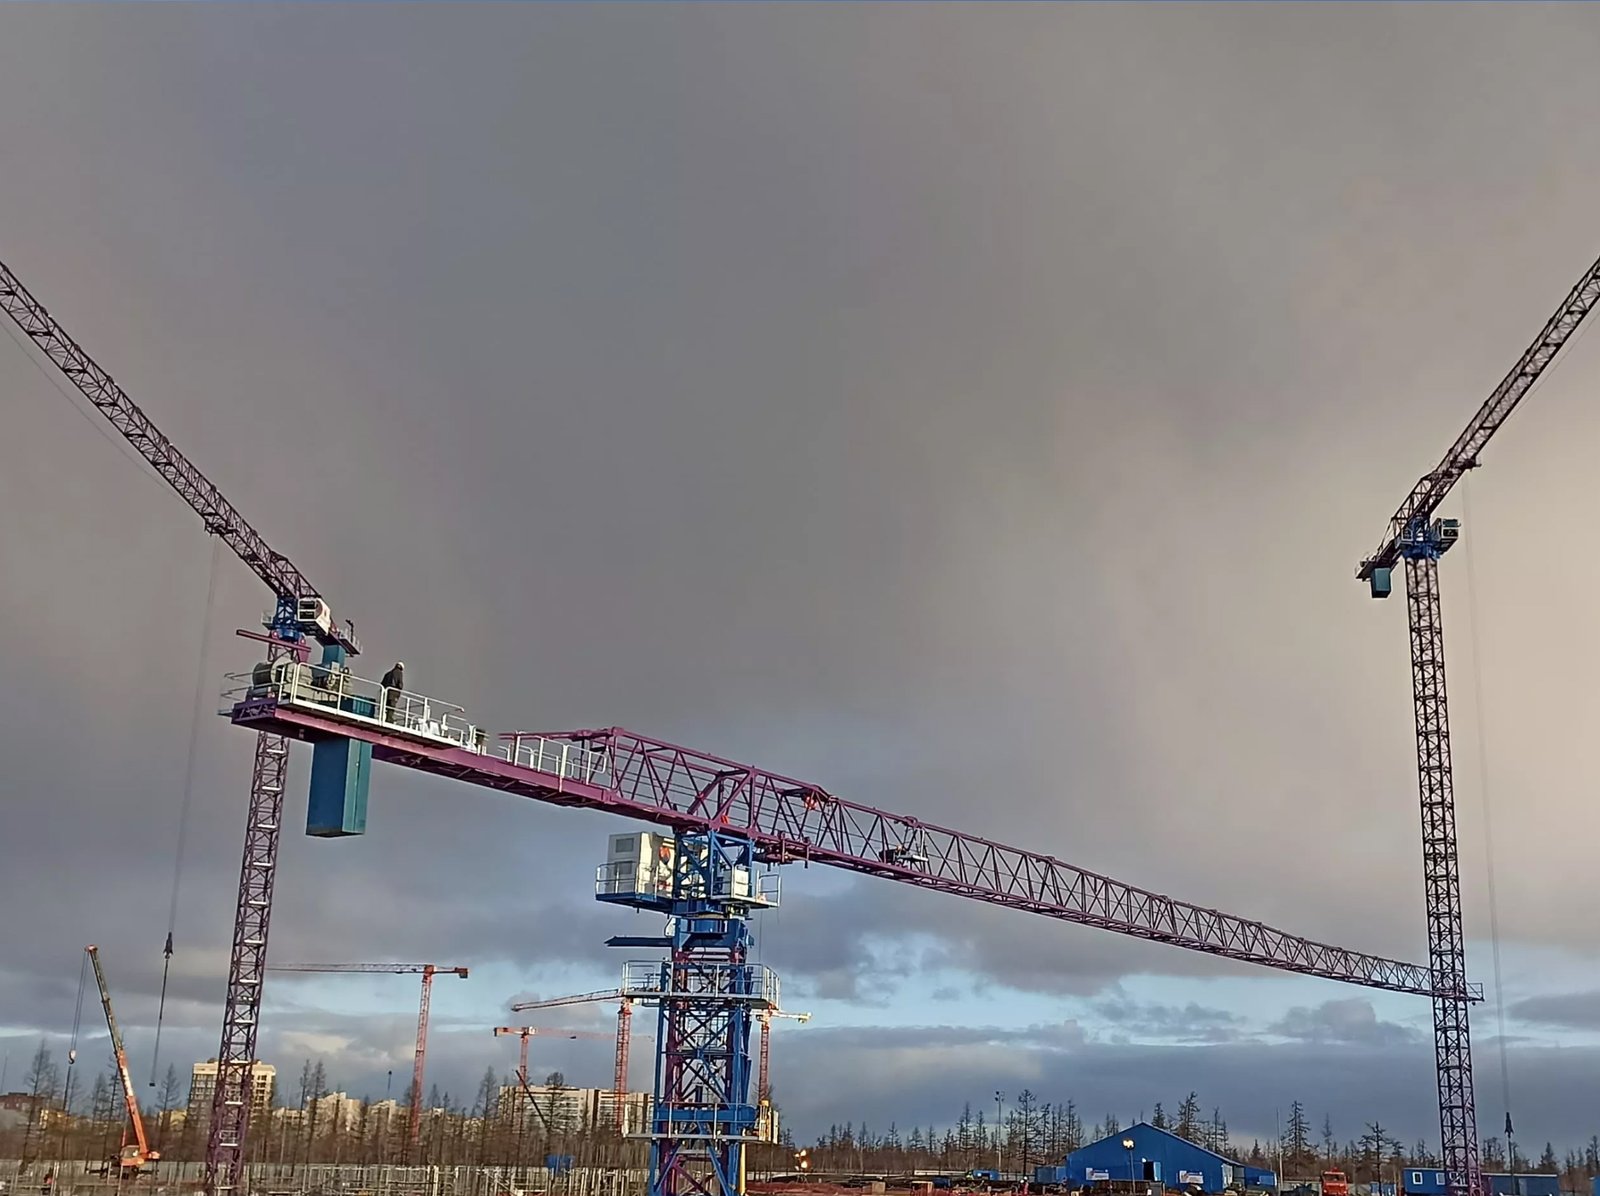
143,469
77,1023
188,796
1488,804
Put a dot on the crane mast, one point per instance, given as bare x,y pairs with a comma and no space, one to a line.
136,1156
300,611
1418,540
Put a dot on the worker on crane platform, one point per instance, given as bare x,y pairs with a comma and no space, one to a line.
393,682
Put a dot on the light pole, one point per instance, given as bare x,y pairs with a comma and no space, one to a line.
999,1116
1127,1145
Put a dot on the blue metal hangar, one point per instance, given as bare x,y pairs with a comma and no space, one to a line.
1143,1153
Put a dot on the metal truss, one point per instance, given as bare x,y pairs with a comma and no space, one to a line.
1431,490
241,1017
220,517
703,1115
792,820
1441,873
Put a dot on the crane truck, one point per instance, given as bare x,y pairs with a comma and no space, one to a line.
136,1157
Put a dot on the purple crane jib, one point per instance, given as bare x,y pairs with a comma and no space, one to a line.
794,821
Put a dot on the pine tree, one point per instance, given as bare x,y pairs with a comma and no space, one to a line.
1295,1142
1189,1118
1027,1131
484,1110
1072,1130
1217,1135
1158,1117
1547,1161
42,1081
171,1085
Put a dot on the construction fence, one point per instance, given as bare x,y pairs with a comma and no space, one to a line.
326,1179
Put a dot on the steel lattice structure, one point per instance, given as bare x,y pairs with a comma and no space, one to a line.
220,517
241,1016
795,821
1441,874
1410,537
707,993
230,1114
1436,485
690,791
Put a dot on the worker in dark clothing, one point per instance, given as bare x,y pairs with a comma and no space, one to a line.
393,682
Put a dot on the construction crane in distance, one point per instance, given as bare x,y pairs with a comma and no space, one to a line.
428,972
136,1155
300,612
764,1066
1414,536
527,1032
619,1077
642,779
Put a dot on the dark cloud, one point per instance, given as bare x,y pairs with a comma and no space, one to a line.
1177,1023
978,415
1571,1011
1351,1020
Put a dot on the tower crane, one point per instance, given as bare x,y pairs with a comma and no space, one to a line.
764,1066
133,1157
1418,539
300,613
612,770
428,971
619,1082
524,1033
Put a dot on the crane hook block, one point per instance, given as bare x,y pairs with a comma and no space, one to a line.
1381,581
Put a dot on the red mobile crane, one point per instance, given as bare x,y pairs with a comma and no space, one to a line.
429,971
133,1157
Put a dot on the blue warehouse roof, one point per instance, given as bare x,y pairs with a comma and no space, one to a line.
1161,1157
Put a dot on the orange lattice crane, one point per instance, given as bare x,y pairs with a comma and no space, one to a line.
133,1156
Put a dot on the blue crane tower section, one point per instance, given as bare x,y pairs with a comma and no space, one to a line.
706,991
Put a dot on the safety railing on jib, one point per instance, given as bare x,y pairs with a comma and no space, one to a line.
340,694
564,757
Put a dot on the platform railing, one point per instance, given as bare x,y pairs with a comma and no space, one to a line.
341,694
652,980
562,757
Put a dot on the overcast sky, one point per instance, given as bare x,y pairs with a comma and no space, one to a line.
979,412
